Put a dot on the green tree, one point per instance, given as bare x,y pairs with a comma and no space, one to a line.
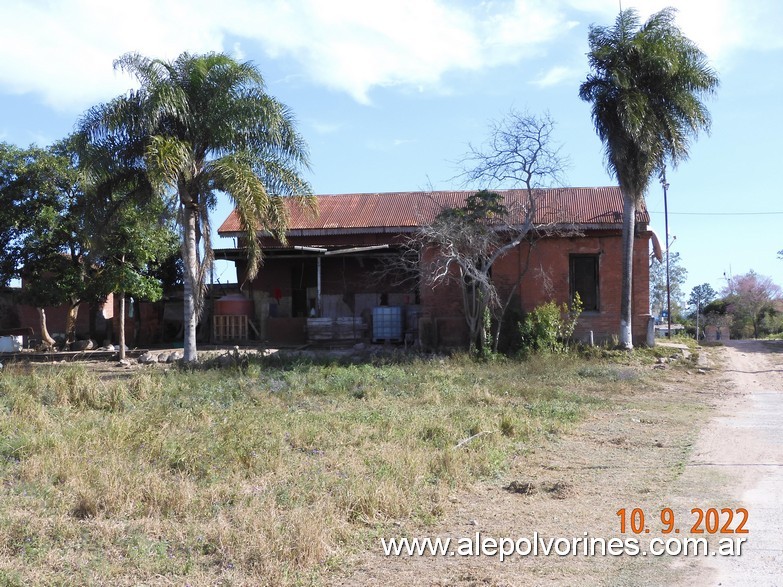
132,228
208,126
701,295
52,251
30,181
11,196
646,87
677,276
72,224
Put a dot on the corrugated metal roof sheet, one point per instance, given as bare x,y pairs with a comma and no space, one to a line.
378,212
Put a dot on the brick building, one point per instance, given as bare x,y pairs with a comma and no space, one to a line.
327,283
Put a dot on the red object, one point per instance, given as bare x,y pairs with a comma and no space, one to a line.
234,305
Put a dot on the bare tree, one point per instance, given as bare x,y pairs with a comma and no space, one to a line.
519,153
459,242
461,245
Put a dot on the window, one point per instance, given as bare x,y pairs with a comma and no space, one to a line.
583,277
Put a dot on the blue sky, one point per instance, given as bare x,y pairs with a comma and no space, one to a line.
389,94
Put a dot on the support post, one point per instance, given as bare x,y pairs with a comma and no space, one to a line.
668,275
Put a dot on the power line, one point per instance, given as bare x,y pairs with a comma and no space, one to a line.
718,213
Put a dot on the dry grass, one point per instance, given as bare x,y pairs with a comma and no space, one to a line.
265,476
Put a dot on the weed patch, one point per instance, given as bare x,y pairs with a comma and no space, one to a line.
259,475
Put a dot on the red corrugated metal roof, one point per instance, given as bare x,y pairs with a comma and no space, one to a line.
407,210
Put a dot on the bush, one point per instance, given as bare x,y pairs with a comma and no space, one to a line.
549,327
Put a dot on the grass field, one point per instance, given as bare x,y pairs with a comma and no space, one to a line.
266,475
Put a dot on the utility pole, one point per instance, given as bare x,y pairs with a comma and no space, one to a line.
668,276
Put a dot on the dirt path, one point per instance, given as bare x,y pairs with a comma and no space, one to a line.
686,439
741,452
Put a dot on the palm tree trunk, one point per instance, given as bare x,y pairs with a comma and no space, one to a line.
191,271
626,303
122,316
122,323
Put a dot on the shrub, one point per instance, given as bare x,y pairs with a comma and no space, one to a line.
549,327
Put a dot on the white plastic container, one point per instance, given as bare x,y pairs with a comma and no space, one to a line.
387,323
10,344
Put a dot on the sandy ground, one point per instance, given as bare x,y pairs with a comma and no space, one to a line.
691,440
742,449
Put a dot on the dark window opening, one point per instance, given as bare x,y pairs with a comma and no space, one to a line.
303,278
583,277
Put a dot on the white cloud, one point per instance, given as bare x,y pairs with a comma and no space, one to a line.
63,50
558,75
388,144
238,53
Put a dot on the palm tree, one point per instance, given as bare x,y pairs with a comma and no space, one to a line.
645,87
208,126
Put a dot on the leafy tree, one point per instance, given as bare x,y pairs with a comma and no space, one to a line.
52,252
701,295
133,232
719,306
749,298
30,180
137,240
12,160
70,228
646,86
208,126
677,276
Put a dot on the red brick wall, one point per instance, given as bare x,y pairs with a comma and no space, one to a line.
443,304
56,318
546,278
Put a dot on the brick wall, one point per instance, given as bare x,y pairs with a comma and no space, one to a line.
350,284
56,318
545,277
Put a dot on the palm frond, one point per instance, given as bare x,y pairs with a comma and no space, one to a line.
233,175
169,160
646,87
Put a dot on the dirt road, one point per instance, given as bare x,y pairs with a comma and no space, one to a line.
684,440
742,450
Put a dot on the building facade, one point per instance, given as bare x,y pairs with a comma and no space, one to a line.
334,281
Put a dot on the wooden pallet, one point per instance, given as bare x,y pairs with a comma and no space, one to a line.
228,327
